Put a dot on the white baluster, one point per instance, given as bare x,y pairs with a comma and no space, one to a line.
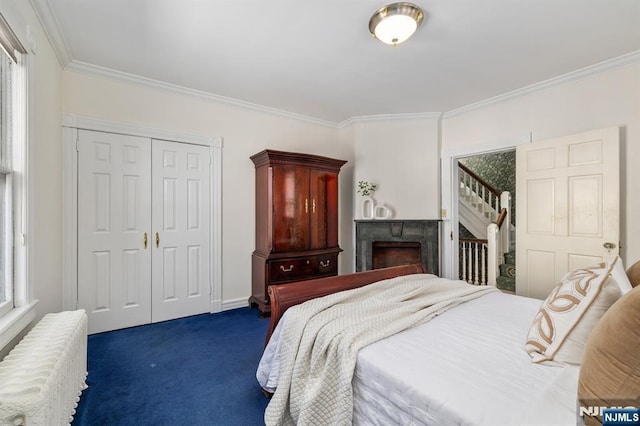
470,264
476,282
464,261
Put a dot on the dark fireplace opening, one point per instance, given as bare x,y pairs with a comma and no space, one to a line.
395,253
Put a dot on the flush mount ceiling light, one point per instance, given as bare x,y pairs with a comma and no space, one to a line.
396,22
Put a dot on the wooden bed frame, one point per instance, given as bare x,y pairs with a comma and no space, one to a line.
284,296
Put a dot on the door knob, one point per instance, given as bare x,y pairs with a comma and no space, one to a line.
609,246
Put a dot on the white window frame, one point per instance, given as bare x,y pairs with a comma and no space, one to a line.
6,243
21,311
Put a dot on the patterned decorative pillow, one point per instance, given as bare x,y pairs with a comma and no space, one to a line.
566,318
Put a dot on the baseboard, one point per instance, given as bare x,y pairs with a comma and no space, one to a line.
242,302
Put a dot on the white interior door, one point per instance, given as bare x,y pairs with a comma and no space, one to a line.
568,207
114,213
181,204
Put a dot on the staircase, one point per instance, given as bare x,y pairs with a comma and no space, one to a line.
489,258
507,278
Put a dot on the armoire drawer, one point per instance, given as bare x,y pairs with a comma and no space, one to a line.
291,269
326,264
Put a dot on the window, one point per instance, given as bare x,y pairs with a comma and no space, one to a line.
12,171
6,193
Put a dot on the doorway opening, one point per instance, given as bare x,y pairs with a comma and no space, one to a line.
486,184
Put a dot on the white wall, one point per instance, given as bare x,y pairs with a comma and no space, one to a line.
402,157
244,132
608,98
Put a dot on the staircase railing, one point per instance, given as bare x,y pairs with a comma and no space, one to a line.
473,260
478,192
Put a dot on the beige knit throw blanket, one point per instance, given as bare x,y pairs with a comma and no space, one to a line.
321,339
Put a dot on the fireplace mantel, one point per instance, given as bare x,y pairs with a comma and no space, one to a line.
399,235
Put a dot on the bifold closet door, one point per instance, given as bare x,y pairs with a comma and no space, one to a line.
114,213
181,230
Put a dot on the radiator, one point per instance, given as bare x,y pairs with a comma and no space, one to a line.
41,379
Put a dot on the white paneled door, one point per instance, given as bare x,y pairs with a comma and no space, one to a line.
568,207
143,230
180,220
114,213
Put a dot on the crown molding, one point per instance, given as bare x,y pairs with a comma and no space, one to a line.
90,69
85,68
52,30
617,62
90,123
382,117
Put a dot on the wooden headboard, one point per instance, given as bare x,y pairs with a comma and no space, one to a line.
283,296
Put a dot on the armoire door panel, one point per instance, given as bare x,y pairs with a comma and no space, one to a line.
181,199
291,207
324,212
318,214
114,212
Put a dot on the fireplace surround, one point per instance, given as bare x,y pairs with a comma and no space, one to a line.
383,243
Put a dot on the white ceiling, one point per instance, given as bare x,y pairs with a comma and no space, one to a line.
316,57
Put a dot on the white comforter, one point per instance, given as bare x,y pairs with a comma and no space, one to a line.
322,337
467,366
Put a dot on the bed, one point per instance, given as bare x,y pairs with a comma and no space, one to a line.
468,364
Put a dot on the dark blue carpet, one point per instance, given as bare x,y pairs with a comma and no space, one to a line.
191,371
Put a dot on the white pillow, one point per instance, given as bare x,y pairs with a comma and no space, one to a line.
562,325
619,274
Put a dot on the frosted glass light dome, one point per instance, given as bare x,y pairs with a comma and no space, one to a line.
395,22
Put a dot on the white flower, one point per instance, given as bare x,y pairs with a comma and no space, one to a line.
365,188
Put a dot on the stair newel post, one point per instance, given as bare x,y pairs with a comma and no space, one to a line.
505,230
492,254
483,265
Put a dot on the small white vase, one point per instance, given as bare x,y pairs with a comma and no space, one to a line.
381,212
368,207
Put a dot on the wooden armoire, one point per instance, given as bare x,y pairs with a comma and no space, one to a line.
296,220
